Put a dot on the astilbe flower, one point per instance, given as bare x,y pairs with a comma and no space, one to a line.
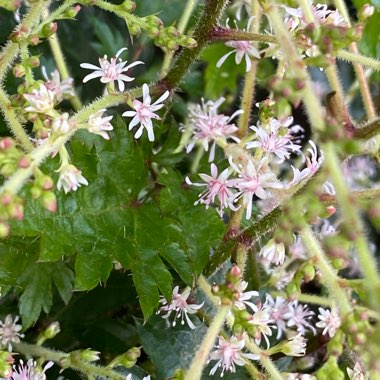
99,125
229,354
111,70
329,321
217,187
242,299
207,126
70,178
253,180
30,371
242,49
180,306
41,100
144,113
276,138
10,332
262,323
295,346
61,124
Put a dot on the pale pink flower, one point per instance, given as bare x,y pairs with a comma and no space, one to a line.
313,162
99,125
61,124
243,298
277,308
208,126
10,332
298,316
329,321
242,49
229,354
273,252
252,182
357,373
111,71
295,346
145,112
261,321
41,100
130,377
62,89
271,138
217,187
70,178
180,306
30,371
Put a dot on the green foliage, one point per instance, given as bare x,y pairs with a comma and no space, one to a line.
117,217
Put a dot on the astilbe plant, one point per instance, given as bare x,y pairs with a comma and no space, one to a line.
189,190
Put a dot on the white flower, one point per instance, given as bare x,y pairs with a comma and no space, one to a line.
261,320
242,49
10,332
110,71
41,100
30,371
98,124
70,178
252,182
229,353
208,126
217,187
298,316
276,138
144,113
62,89
329,321
61,124
273,252
277,308
295,346
130,377
180,306
357,373
242,298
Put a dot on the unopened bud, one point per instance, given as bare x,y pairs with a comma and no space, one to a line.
128,5
34,40
190,43
19,71
366,12
86,355
16,211
4,232
24,162
72,12
50,201
34,61
235,271
52,330
6,143
49,29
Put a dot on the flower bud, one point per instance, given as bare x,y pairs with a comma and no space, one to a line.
24,162
52,330
190,43
366,12
134,29
6,143
33,61
49,200
19,71
72,12
34,40
49,29
128,5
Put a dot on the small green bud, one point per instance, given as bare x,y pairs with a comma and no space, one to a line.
34,40
19,70
52,330
366,12
33,61
190,43
128,5
49,29
72,12
134,29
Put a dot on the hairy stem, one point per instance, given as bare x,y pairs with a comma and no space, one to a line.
199,361
75,363
330,277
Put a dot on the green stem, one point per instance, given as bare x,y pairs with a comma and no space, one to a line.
368,130
311,101
58,357
250,77
62,67
208,20
227,34
308,298
7,56
352,219
330,278
363,84
200,359
206,289
265,360
358,58
13,122
187,12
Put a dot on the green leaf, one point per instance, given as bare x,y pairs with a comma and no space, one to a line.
36,282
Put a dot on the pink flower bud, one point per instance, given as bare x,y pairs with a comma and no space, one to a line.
6,143
235,271
24,162
6,199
